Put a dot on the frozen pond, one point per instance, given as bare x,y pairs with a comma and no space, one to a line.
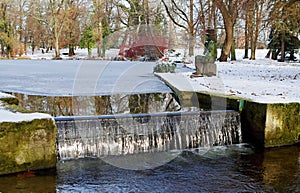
79,77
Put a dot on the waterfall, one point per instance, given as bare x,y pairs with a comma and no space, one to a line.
99,136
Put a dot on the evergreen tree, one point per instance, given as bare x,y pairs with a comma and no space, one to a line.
88,39
291,43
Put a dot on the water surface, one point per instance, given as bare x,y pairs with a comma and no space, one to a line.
222,169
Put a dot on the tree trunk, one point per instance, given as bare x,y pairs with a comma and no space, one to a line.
171,35
274,55
253,47
191,44
89,47
21,48
268,54
215,27
99,49
251,13
282,47
228,40
191,30
103,105
258,11
57,51
71,50
229,24
25,45
2,50
233,55
246,38
99,41
253,51
71,45
103,47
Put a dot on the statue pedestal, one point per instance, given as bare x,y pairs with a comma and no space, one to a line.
205,66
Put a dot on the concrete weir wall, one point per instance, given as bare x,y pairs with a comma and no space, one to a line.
263,125
271,125
26,145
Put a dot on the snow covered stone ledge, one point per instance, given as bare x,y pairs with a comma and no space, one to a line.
27,140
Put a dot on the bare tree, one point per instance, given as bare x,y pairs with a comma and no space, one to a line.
229,10
253,20
97,18
183,15
20,8
71,32
58,15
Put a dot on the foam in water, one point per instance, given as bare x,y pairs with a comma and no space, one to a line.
145,133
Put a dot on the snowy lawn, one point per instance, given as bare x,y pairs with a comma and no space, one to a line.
261,80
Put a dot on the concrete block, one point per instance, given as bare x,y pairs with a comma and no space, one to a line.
270,125
27,145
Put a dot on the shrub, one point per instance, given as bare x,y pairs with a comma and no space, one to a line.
164,66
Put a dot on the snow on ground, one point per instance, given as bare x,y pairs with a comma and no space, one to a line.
261,80
8,116
79,54
4,95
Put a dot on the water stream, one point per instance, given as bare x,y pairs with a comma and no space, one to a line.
100,136
235,168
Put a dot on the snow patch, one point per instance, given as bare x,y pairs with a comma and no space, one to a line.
7,116
4,95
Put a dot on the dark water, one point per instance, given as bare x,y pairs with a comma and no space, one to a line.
222,169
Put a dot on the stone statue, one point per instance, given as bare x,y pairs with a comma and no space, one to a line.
205,64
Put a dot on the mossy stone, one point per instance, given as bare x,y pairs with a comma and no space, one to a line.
10,100
28,145
270,125
282,124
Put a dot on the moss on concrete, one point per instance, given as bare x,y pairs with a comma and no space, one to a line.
10,100
282,124
27,145
269,125
12,104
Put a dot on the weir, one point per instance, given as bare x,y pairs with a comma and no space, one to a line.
98,136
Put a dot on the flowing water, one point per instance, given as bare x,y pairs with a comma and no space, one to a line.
81,137
234,168
110,149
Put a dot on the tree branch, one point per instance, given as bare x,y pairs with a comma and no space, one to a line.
172,18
